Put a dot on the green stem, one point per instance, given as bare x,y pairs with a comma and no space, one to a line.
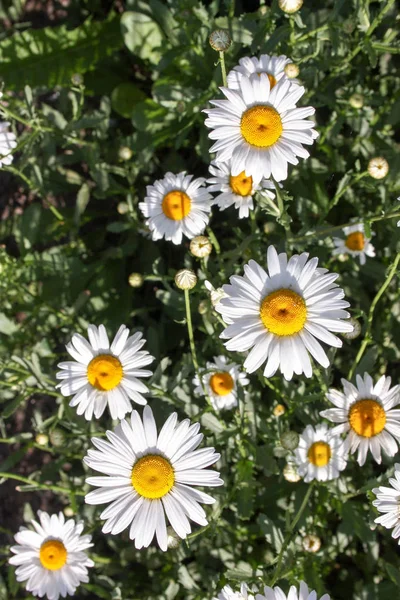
344,189
214,240
368,338
42,486
223,68
283,217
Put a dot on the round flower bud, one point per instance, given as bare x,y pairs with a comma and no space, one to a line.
292,71
68,511
200,246
220,40
125,153
311,543
77,79
57,437
42,439
356,100
135,280
279,410
290,6
290,473
290,440
123,208
352,335
269,227
173,540
185,279
202,308
378,167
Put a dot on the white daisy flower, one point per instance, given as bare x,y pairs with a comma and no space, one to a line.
320,454
150,478
236,189
260,129
102,374
220,381
227,593
282,315
355,243
8,142
302,594
388,502
272,66
176,206
365,413
52,559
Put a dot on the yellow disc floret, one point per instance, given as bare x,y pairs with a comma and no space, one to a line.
261,126
53,555
104,372
283,312
153,476
176,205
355,241
319,454
367,417
221,383
241,184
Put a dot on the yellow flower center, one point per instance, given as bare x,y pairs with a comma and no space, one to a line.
355,240
241,184
261,126
283,312
104,372
272,80
53,555
221,383
152,476
367,417
176,205
319,454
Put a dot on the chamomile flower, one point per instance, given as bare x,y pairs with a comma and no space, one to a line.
227,593
260,129
366,415
282,315
8,142
320,454
272,66
302,594
150,478
102,374
355,243
52,559
221,382
175,206
237,190
388,502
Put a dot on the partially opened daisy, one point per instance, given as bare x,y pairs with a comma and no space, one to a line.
52,559
272,66
303,593
282,315
102,374
150,478
221,381
236,190
244,593
260,129
8,142
388,502
320,454
355,243
366,415
175,206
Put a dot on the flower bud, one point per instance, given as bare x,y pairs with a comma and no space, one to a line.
279,410
290,473
290,440
173,540
125,153
352,335
77,79
356,100
185,279
68,511
290,6
215,294
57,437
220,40
378,167
311,543
42,439
202,308
292,71
136,280
200,246
123,208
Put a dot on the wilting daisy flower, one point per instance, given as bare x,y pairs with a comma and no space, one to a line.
365,413
320,454
52,559
272,66
176,206
8,142
236,189
150,478
355,243
282,315
302,594
260,129
104,374
220,381
227,593
388,502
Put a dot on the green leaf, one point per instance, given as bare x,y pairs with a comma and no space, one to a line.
82,200
142,35
393,573
124,97
31,225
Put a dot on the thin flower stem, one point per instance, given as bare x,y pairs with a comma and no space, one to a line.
344,189
368,338
283,217
214,240
223,68
42,486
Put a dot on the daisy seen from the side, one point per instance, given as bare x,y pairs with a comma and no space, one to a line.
260,130
149,478
388,502
103,374
244,593
52,559
272,66
282,315
354,243
8,142
320,454
365,414
221,382
176,205
303,593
